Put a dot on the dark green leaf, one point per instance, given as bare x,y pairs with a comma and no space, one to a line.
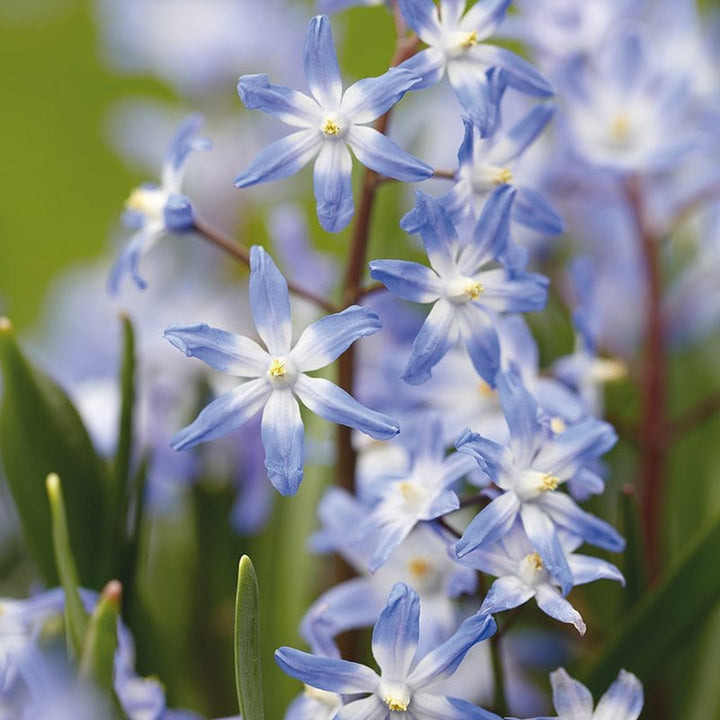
97,662
76,619
665,619
41,433
248,669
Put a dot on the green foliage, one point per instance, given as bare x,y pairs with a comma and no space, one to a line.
248,666
41,433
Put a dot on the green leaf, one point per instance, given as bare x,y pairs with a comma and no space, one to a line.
41,433
248,668
97,662
665,619
119,503
633,560
76,618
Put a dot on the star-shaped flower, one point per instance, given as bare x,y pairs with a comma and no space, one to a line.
278,374
328,121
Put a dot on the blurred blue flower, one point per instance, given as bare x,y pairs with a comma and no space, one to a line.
329,121
277,374
521,575
573,701
528,471
154,210
455,44
465,296
406,684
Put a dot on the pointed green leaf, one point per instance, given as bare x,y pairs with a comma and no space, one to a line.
41,433
97,662
665,619
119,503
248,669
75,616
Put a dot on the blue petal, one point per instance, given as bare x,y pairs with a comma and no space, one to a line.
485,16
283,438
395,636
269,302
438,232
506,593
282,158
369,98
517,139
452,11
563,510
379,153
556,606
532,210
330,402
521,414
321,64
328,338
178,214
408,280
543,536
481,340
510,291
290,106
490,524
437,335
475,93
493,458
442,662
225,351
623,699
491,232
571,698
581,442
340,676
333,186
350,605
224,414
520,74
422,17
367,708
128,261
586,569
180,148
426,706
428,65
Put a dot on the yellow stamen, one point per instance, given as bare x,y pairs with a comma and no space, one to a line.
278,368
330,127
396,704
502,176
137,200
558,425
469,40
620,128
485,390
536,560
548,482
474,289
418,567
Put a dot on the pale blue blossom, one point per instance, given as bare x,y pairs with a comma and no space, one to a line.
327,122
277,374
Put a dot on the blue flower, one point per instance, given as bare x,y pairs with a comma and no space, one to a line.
154,210
405,683
573,701
487,160
327,122
528,471
455,44
465,295
521,575
277,374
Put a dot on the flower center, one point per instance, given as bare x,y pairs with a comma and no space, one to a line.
620,128
469,40
463,290
485,178
395,695
548,482
148,201
278,368
558,425
281,372
530,567
419,568
332,127
413,496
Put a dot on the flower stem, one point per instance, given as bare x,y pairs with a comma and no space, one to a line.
499,696
240,253
653,441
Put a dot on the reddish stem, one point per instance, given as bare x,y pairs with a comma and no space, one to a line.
653,440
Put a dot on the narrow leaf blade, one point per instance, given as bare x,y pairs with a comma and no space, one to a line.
248,669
